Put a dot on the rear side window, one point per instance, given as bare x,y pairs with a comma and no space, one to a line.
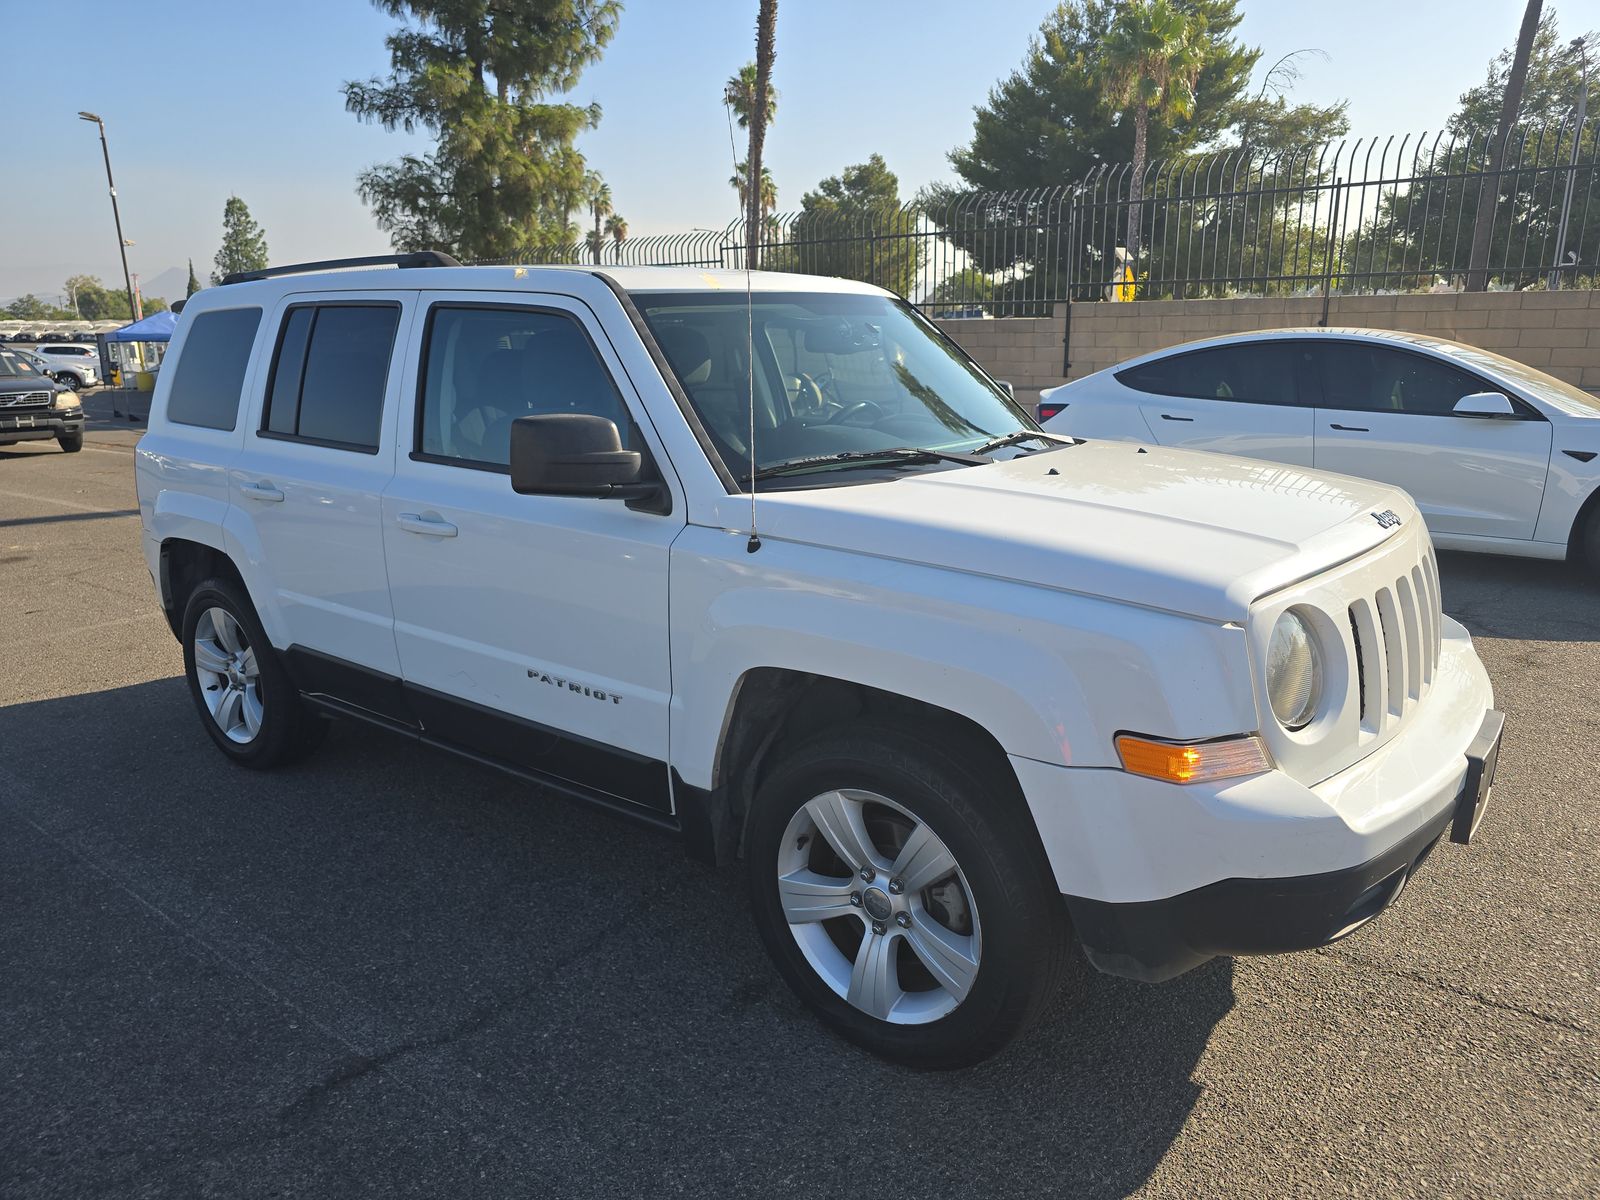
330,373
1255,372
209,375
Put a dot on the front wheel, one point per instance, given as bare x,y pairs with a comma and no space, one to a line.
902,892
71,443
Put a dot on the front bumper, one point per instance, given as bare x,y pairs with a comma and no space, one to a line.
39,424
1159,878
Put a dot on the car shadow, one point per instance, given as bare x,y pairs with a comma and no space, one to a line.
545,976
1521,598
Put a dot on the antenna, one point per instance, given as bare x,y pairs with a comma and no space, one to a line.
754,543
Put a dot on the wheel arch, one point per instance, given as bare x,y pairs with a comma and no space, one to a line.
184,565
1579,547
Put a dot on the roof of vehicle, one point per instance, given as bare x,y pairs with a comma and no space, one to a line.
1423,340
528,278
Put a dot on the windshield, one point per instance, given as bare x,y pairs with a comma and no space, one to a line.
13,366
1573,401
835,374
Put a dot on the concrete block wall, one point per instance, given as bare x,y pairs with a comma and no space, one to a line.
1558,332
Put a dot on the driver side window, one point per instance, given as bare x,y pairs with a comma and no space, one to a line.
485,367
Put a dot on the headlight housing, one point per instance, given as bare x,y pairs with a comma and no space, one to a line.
66,399
1294,672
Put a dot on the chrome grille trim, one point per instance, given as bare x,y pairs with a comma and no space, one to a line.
25,400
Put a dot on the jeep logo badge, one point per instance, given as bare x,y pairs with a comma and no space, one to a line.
1386,518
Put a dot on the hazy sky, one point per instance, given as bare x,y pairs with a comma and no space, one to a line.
204,99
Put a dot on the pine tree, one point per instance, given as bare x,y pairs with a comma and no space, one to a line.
193,285
504,177
244,245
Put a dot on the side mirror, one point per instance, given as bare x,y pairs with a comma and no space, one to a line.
1492,405
1010,391
575,454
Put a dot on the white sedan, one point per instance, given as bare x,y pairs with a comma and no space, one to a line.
1500,457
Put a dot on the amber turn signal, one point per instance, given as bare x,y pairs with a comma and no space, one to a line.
1193,762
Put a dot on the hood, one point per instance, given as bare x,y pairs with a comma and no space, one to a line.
1186,531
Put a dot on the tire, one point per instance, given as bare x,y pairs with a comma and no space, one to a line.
71,443
66,379
1588,545
995,927
245,698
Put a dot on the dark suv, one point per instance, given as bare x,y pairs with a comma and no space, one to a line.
34,407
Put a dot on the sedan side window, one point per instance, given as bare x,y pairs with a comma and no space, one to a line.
1367,378
485,367
1253,372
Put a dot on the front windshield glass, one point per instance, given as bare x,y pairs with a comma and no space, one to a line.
13,365
835,374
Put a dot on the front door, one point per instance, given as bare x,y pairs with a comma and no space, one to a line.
532,629
1245,398
1387,414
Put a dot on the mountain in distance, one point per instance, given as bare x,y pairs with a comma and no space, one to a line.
169,285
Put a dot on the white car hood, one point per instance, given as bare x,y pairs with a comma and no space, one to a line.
1196,533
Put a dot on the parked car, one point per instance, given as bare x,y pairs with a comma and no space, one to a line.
72,366
1499,456
34,407
791,577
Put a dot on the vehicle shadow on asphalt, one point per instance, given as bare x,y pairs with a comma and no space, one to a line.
482,957
1521,598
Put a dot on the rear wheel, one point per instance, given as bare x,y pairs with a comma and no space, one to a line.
247,703
1589,544
902,892
71,443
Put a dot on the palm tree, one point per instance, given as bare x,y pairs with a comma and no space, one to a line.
599,198
1489,185
763,102
1148,64
617,227
740,182
739,94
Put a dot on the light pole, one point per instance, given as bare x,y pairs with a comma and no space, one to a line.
116,215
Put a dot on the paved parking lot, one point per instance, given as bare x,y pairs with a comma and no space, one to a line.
385,972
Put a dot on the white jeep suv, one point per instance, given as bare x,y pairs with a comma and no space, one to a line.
783,572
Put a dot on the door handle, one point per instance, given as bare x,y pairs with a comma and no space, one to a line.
1350,428
432,526
1170,417
262,491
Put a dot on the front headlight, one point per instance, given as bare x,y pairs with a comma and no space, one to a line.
1294,672
67,399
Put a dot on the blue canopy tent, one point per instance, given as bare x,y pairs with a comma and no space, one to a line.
157,327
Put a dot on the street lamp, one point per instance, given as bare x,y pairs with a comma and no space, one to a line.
1577,47
122,243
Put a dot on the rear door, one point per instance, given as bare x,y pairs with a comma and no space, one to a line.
1387,415
310,479
1248,398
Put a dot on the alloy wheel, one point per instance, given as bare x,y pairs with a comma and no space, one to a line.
879,906
229,675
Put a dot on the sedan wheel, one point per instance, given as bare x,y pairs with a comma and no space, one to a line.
879,907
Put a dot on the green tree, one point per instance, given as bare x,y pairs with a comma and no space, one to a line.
1149,65
193,285
617,227
505,176
244,245
597,192
95,301
739,181
31,308
854,226
739,94
1511,101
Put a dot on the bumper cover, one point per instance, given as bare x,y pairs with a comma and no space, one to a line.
1154,940
39,424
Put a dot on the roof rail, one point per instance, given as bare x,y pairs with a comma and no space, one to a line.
422,258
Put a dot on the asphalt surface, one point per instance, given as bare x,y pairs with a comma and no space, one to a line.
386,972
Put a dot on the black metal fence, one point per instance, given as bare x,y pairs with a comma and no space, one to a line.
1366,215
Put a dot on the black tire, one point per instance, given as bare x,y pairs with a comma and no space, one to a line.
1588,544
969,801
66,379
288,729
70,443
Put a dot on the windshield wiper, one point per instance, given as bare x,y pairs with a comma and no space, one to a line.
1012,439
895,455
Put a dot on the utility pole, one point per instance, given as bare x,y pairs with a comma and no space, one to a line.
116,215
1489,182
1572,171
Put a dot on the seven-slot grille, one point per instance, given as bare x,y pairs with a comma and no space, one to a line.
25,400
1397,641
